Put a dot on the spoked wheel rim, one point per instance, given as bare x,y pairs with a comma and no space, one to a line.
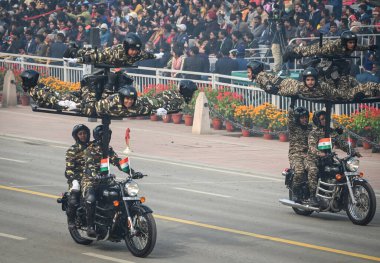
141,237
360,210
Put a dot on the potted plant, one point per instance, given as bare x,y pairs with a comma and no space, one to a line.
188,113
362,124
261,118
279,123
243,115
226,103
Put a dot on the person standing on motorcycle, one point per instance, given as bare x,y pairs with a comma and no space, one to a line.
299,129
74,168
315,155
93,165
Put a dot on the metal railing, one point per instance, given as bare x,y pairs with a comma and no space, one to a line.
145,76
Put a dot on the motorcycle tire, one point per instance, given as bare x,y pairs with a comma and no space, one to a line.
75,234
143,241
297,210
363,212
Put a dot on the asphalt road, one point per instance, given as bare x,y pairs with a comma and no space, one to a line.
202,215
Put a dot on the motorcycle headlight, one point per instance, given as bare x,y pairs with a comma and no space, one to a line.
132,188
352,164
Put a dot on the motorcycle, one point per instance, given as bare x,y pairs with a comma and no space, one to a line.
340,187
119,215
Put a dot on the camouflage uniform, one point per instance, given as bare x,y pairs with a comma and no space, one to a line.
291,87
75,163
313,158
114,55
171,100
92,158
298,136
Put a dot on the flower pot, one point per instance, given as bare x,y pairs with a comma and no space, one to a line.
153,117
283,137
188,120
177,118
24,100
367,145
167,118
245,132
216,124
229,126
267,135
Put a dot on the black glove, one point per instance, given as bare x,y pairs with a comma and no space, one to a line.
373,47
271,89
339,130
71,51
290,55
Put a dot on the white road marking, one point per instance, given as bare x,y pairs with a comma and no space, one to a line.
12,160
107,258
12,236
200,192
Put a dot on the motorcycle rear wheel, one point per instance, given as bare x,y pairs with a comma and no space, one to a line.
297,210
143,241
363,212
76,235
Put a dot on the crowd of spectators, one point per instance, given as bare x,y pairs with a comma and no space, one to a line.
188,32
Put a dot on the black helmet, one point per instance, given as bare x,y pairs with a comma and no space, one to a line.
133,41
29,78
187,89
256,67
347,36
299,112
98,133
80,127
127,91
310,72
316,116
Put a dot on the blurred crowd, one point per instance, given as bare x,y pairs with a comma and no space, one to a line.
188,32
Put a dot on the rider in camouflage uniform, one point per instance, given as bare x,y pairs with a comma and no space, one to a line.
310,87
332,65
121,55
74,168
314,155
90,181
299,128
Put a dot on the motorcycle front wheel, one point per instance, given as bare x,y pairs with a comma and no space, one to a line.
142,242
364,210
297,210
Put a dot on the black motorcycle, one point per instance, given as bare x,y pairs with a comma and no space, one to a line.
119,215
340,187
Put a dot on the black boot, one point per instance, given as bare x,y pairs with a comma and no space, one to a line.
314,201
296,194
72,206
90,214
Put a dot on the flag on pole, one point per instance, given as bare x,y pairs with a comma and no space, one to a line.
325,144
104,165
124,165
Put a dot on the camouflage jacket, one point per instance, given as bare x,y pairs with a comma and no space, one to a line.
114,55
298,136
75,161
329,48
319,133
291,87
171,100
92,158
44,96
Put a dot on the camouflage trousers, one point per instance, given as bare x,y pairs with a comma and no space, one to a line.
46,97
297,163
347,88
312,176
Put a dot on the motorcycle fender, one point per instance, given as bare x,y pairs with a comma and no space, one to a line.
358,180
142,208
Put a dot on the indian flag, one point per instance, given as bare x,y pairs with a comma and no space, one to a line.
124,164
325,144
104,165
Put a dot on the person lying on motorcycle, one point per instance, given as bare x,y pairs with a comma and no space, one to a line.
311,87
299,128
94,167
91,86
127,103
121,55
317,150
75,167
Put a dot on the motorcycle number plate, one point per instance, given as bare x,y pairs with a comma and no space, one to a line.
127,198
351,173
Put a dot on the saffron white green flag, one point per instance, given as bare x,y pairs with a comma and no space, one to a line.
325,144
124,164
104,165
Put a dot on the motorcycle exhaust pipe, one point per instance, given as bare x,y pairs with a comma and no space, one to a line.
288,202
